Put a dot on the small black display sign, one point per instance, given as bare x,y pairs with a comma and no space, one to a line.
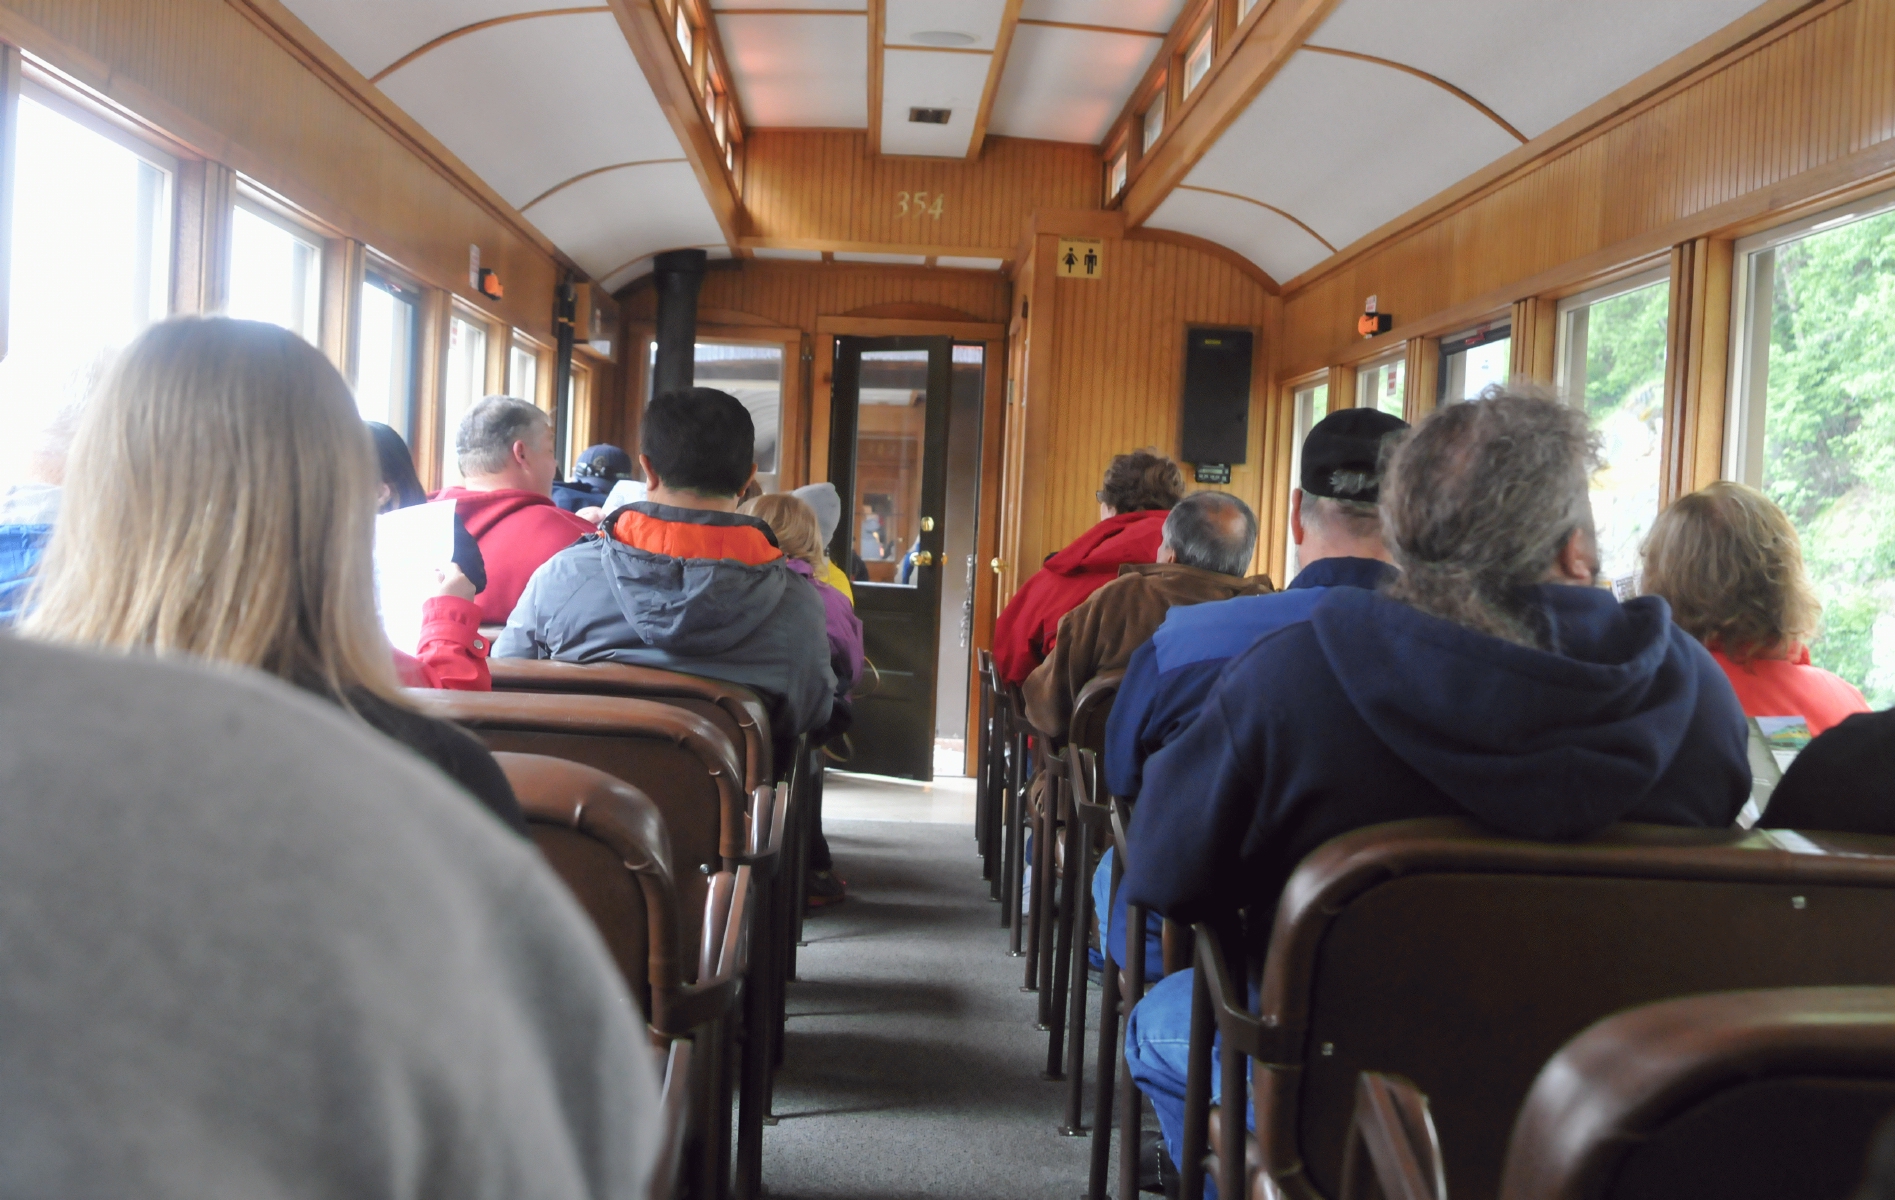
1213,473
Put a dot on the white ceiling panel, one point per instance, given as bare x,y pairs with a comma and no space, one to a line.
978,19
1298,149
1278,245
1535,62
608,220
1067,85
483,96
1153,15
926,79
371,34
791,254
970,264
904,260
799,69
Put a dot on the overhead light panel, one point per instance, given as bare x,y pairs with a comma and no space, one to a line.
929,116
943,37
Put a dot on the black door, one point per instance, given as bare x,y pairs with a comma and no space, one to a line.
888,459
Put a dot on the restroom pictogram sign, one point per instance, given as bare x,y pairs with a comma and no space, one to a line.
1080,258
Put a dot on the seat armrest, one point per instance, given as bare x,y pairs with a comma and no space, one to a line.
1391,1151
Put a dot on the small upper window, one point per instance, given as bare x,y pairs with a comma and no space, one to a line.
523,372
1244,7
1115,176
685,34
275,271
464,383
1197,63
1154,120
1383,385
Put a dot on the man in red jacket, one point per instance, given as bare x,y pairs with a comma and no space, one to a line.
1138,491
505,449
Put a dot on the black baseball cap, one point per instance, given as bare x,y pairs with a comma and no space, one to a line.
1348,441
604,461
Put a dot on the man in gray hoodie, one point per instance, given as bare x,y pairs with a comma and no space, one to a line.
683,581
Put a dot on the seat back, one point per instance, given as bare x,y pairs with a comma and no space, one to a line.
689,771
607,843
1748,1095
1462,961
731,708
1091,708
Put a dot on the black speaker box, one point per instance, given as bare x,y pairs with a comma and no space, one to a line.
1216,395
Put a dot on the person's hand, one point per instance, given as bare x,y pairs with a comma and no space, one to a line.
454,582
591,514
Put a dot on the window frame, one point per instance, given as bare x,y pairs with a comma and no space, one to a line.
394,278
1469,338
1566,306
1744,411
1118,174
1205,40
522,343
1148,139
248,196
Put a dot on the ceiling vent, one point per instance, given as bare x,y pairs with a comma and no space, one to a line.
929,116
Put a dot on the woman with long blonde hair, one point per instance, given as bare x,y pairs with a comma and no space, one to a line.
234,521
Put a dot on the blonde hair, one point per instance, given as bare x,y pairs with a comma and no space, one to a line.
1729,563
793,522
229,513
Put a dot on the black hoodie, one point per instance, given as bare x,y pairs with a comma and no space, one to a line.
1373,711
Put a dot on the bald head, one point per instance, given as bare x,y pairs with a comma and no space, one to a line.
1213,531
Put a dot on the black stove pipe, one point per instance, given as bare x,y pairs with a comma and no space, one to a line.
679,274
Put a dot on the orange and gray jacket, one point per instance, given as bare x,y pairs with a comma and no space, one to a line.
705,593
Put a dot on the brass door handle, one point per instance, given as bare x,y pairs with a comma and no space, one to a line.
997,566
924,559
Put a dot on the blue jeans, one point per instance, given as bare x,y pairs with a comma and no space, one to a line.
1115,939
1158,1057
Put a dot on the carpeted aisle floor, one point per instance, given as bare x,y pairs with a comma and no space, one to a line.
912,1067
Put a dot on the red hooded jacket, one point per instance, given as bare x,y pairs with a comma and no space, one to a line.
1025,629
517,531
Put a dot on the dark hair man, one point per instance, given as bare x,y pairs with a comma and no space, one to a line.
682,580
1207,544
505,451
1490,680
1138,490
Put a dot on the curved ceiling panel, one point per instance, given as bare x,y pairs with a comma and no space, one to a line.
611,219
1155,16
1067,85
799,69
643,266
1305,146
483,95
373,35
1275,243
1535,62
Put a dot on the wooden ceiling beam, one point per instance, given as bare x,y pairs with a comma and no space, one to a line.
1003,42
878,18
1262,47
647,32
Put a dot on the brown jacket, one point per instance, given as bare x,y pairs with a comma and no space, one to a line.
1101,634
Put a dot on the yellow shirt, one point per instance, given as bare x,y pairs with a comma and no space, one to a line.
834,577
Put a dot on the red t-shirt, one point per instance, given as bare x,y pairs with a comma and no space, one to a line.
517,531
1790,687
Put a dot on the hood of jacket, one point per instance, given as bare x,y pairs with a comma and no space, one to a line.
1535,743
1127,538
481,511
689,582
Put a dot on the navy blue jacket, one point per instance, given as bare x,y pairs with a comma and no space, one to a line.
1168,677
1373,711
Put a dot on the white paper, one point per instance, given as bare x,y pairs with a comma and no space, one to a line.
412,545
625,491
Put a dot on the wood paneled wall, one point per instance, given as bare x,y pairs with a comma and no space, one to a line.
823,189
1804,112
1105,369
213,78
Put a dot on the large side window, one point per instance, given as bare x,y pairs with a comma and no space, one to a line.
1383,384
523,371
464,383
91,264
1813,418
1310,405
1611,355
1472,360
754,374
387,352
275,271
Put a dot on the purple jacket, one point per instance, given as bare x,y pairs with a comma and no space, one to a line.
845,629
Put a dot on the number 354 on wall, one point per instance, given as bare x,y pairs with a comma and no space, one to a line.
920,204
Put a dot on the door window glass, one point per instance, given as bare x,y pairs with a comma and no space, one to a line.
385,353
1473,360
1311,405
1383,385
464,384
275,273
91,255
891,438
1612,363
1815,422
753,374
